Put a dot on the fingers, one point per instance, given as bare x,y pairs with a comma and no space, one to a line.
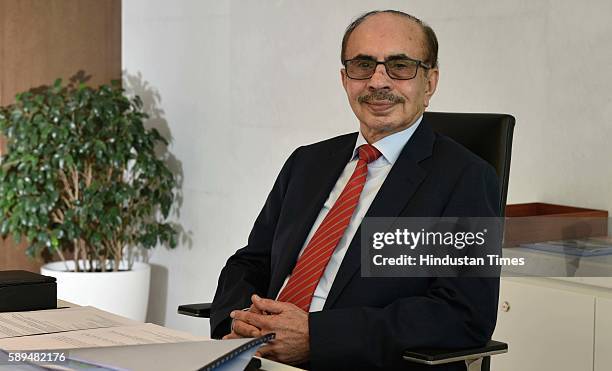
254,309
231,335
265,351
268,305
258,320
244,329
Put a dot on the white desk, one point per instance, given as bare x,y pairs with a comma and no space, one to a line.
267,365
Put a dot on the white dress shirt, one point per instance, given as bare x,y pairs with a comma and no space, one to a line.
390,146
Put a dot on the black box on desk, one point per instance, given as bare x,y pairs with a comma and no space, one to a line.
22,290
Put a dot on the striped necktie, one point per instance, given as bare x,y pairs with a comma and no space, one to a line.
311,264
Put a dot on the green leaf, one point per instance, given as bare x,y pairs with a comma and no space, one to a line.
54,241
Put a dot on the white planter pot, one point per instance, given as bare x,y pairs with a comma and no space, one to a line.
125,293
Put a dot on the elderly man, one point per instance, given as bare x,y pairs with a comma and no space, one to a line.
299,274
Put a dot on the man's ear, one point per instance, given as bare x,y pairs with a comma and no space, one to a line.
343,77
431,84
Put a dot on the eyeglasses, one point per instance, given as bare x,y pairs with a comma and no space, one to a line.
397,69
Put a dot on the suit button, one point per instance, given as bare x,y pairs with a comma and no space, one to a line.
505,307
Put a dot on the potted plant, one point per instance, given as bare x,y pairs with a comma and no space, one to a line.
84,179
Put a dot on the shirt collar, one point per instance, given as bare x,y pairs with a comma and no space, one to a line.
390,146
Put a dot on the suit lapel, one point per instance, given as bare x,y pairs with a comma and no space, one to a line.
328,166
395,193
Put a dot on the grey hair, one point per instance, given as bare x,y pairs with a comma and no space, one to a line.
431,41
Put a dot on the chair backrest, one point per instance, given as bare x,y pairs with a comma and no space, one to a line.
488,135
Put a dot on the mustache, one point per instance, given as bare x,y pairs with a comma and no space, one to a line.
379,95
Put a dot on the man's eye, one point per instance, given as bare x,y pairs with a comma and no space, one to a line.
364,64
401,65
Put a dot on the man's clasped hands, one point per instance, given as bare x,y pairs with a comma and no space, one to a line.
286,320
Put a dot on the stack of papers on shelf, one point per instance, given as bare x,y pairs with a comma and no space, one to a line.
591,246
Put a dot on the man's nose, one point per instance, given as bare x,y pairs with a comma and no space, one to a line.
380,79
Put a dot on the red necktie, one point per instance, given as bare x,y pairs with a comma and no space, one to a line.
311,264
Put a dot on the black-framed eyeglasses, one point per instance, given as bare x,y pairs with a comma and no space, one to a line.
397,68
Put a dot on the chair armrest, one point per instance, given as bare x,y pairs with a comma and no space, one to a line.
201,310
441,356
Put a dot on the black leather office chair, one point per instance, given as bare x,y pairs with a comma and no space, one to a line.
488,135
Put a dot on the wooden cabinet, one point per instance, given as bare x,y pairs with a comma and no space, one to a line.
546,327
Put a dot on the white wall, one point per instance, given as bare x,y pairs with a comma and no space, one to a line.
242,83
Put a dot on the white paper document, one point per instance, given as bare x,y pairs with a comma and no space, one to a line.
58,320
187,356
145,333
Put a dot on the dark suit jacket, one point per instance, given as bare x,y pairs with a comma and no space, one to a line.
367,322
